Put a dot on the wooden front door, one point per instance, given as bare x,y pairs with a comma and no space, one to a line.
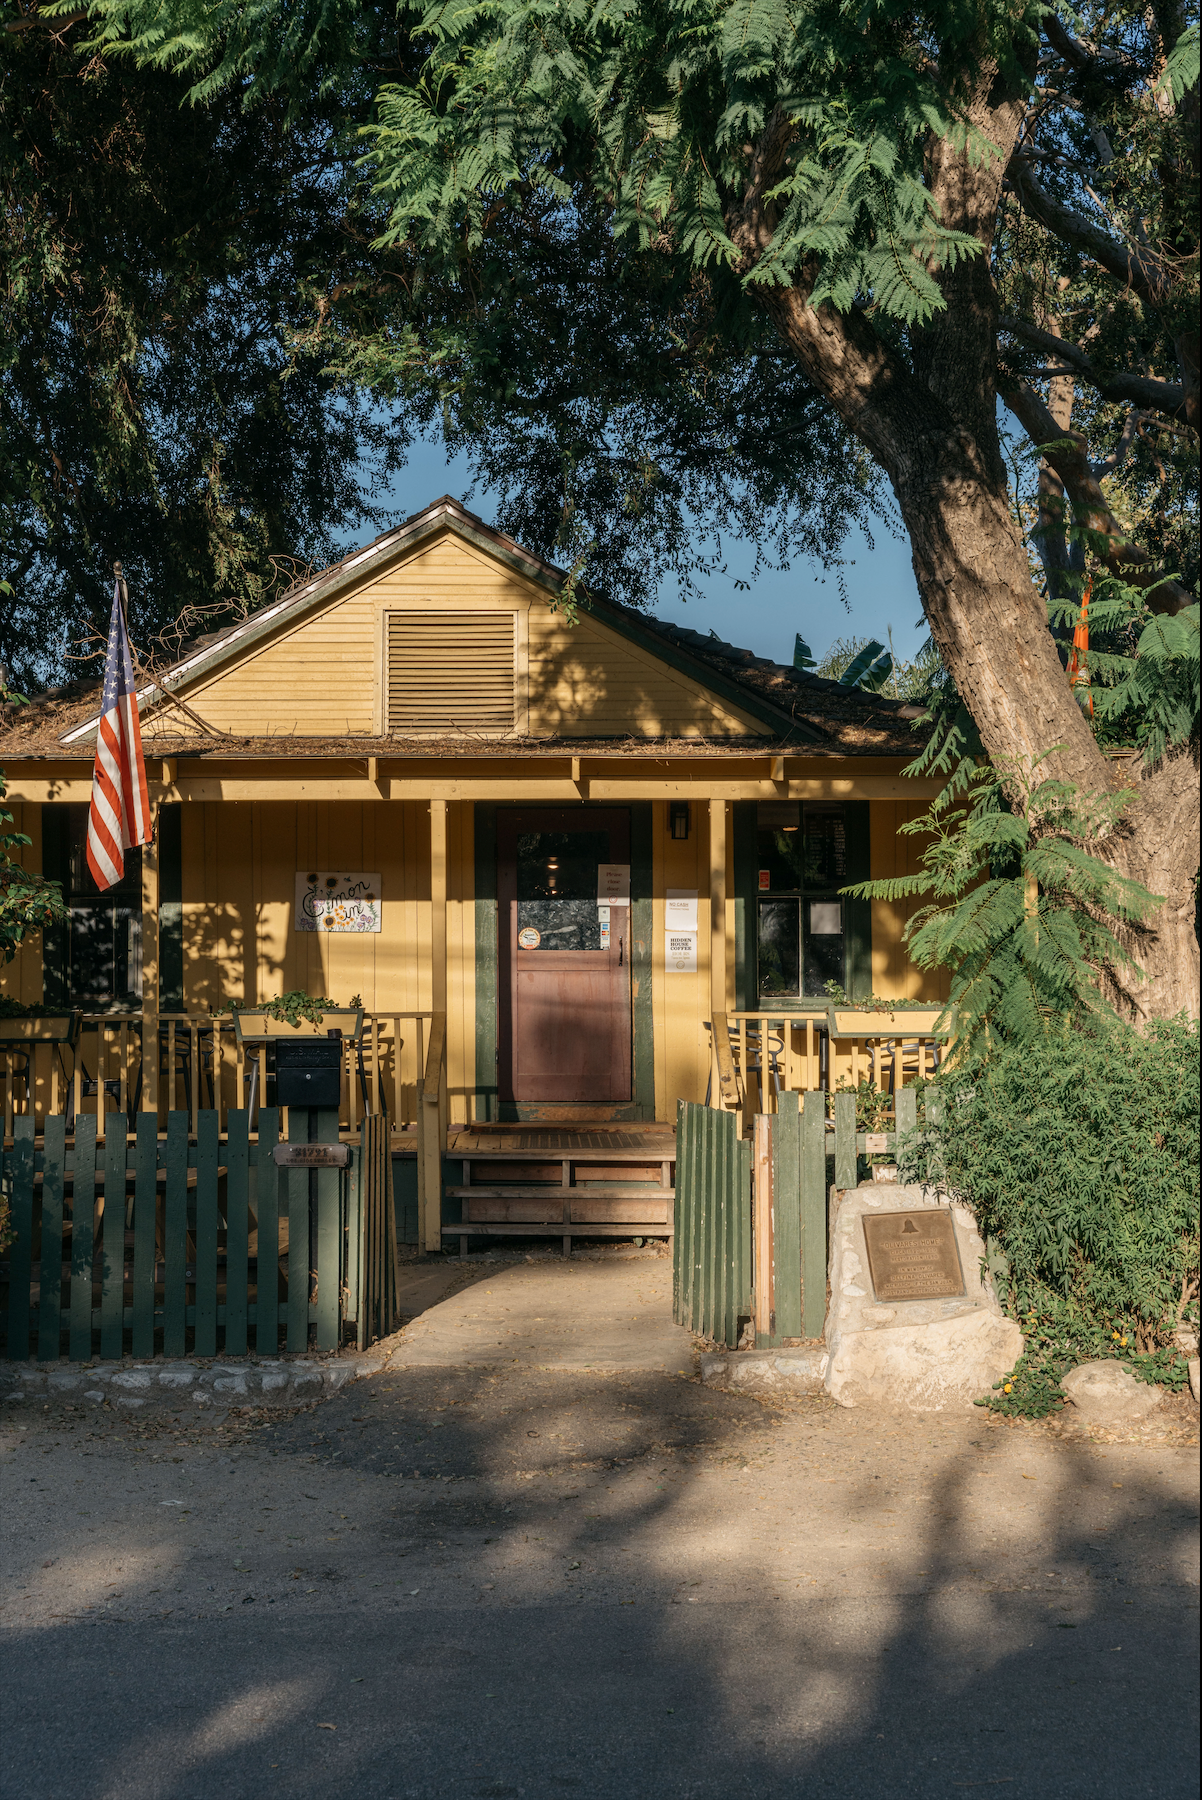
564,988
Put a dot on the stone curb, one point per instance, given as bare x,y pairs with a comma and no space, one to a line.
134,1385
765,1371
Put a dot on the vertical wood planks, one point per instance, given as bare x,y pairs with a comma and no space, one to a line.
50,1280
327,1234
19,1167
905,1103
298,1235
146,1155
83,1214
207,1219
813,1214
786,1219
845,1140
267,1199
237,1230
711,1241
112,1280
175,1235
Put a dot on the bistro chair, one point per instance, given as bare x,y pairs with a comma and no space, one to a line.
908,1057
755,1059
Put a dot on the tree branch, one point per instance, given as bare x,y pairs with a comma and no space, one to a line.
1068,454
1145,275
1078,54
1143,391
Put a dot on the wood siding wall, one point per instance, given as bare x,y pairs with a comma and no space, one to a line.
893,974
323,675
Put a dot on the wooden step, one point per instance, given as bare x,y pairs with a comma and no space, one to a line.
650,1153
520,1228
594,1190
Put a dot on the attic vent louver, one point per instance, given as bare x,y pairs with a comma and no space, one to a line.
450,671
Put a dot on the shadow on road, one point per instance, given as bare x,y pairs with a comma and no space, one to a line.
666,1644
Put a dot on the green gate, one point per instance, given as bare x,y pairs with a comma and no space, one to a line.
711,1243
751,1221
179,1245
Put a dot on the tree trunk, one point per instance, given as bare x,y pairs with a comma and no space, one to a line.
931,425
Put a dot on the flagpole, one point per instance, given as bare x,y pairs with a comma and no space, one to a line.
150,925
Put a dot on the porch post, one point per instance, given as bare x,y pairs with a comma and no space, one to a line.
718,907
150,975
438,905
434,1113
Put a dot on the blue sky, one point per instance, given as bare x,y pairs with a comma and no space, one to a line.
881,589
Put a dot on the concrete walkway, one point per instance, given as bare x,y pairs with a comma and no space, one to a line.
608,1316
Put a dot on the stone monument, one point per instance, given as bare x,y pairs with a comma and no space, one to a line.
912,1320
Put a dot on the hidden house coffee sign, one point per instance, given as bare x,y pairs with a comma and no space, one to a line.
914,1255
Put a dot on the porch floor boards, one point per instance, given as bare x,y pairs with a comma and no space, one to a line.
652,1141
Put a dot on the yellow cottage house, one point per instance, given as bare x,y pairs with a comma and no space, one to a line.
551,854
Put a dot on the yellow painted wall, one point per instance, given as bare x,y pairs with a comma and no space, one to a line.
239,870
681,1003
894,976
323,676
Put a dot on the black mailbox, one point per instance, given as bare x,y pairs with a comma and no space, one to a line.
308,1072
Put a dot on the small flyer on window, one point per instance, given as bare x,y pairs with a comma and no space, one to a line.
680,952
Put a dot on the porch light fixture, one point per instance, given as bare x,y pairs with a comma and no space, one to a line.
678,819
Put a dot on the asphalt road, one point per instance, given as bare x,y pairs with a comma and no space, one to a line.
460,1583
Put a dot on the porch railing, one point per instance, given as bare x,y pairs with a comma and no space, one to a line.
757,1056
93,1064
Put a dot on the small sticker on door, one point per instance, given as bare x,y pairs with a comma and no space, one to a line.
765,880
529,938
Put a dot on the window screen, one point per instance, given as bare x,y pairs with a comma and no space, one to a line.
450,671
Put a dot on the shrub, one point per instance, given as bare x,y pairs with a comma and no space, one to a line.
1077,1152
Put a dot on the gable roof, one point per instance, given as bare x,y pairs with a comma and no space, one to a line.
798,709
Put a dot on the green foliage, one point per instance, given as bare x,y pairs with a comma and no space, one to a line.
870,668
874,1109
28,902
164,390
1078,1154
1142,667
866,663
803,656
294,1006
1022,912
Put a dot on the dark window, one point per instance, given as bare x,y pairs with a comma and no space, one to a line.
104,933
802,863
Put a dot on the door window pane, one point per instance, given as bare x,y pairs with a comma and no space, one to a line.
778,947
823,946
557,889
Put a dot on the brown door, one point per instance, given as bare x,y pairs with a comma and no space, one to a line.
564,987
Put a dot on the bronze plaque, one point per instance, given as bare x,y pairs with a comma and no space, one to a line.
913,1255
312,1156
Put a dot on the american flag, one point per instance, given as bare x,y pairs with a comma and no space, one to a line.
119,816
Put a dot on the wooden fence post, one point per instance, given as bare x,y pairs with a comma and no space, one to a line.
764,1300
813,1214
845,1141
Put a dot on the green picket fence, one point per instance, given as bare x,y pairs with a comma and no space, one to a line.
752,1218
196,1245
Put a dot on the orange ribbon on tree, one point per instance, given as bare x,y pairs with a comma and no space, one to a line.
1078,661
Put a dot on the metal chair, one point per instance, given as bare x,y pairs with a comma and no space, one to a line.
912,1055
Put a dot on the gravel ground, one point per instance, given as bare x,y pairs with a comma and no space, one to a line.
522,1583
